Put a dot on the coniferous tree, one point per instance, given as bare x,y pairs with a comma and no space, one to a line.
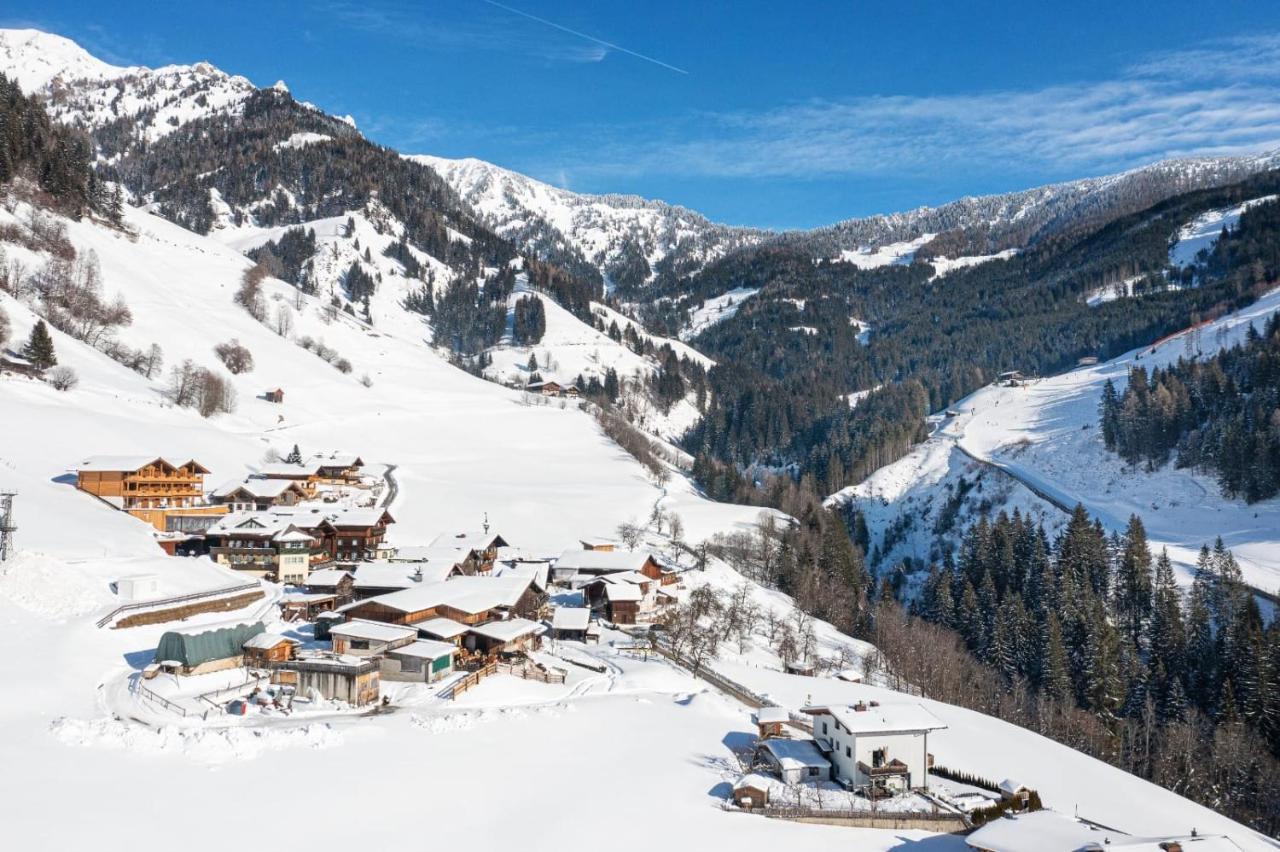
39,347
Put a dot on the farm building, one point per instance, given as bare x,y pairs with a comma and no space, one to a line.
883,748
544,388
204,651
601,545
595,563
307,474
275,395
794,761
424,661
504,637
366,638
469,600
268,648
570,622
1012,789
355,681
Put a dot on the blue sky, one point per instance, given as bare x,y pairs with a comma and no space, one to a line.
770,114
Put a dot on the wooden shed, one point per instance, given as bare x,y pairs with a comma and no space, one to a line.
268,648
751,791
331,677
275,395
771,721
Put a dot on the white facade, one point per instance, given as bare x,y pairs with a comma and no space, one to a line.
877,746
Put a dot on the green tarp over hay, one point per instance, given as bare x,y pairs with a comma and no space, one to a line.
192,649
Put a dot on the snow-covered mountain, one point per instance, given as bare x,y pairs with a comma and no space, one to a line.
626,238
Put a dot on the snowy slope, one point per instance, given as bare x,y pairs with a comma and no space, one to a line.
464,446
1046,434
1201,234
603,229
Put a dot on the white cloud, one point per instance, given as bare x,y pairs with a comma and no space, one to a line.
1220,98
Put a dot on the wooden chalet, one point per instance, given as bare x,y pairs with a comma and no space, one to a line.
149,488
258,494
483,543
348,535
275,395
545,388
597,562
338,467
17,365
263,545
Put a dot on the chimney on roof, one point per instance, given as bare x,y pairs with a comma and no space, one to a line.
486,523
417,574
860,707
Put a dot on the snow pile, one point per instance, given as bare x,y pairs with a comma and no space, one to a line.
49,587
203,745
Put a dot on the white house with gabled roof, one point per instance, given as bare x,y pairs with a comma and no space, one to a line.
881,747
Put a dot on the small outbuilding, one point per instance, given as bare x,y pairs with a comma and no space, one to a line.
794,761
268,648
423,661
505,637
751,791
275,395
570,622
772,721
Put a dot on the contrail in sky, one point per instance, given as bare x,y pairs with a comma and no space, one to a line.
598,41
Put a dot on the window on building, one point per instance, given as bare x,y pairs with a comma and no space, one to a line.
813,770
848,752
878,756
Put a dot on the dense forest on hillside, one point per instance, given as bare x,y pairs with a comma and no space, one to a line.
242,158
1220,415
791,353
52,156
1098,623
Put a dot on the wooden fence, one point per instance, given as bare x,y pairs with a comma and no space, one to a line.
940,821
160,699
533,673
178,599
462,685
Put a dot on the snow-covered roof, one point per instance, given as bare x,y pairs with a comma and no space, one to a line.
372,630
535,571
336,459
430,553
285,469
255,486
889,718
795,754
304,597
571,618
618,592
444,628
508,630
755,781
477,539
772,715
327,577
602,561
266,641
129,464
468,594
426,649
400,575
1011,786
